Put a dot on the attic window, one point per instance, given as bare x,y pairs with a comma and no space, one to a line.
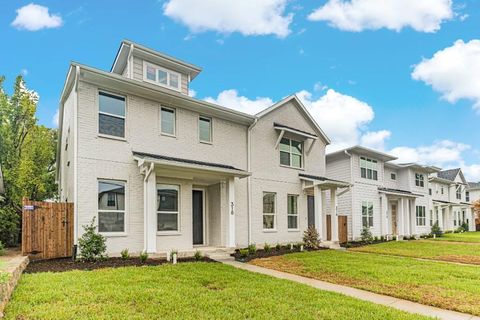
161,76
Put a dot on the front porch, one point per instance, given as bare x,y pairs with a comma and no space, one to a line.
189,205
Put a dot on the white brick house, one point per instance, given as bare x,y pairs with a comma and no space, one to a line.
160,170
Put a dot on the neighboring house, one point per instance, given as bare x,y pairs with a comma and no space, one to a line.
390,199
2,186
473,195
450,205
160,170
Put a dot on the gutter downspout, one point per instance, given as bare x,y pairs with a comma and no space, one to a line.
249,179
353,193
145,205
75,155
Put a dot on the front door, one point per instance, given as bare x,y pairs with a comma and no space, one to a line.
394,219
311,210
197,217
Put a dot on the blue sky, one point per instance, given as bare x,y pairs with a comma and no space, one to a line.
367,73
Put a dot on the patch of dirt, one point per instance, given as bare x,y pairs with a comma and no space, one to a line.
260,253
66,264
460,259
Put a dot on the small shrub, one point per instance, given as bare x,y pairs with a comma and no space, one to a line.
143,256
348,245
436,230
92,244
198,255
382,238
244,253
252,248
366,235
311,238
375,238
2,249
412,237
464,227
267,248
278,247
125,254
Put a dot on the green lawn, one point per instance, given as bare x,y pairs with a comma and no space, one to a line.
445,285
445,251
473,237
184,291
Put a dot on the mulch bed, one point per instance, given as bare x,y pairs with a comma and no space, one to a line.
260,253
66,264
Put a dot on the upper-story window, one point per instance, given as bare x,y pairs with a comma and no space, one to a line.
442,190
205,129
459,192
467,196
393,176
291,153
162,76
167,121
111,114
419,180
368,168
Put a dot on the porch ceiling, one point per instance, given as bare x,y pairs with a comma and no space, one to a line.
399,193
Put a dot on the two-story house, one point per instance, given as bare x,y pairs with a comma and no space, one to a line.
473,195
160,170
388,198
449,193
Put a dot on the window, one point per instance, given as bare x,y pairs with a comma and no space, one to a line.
430,191
421,218
167,121
205,129
111,206
167,207
161,76
111,118
291,153
367,214
431,218
455,218
442,190
269,204
419,180
393,176
368,168
459,192
292,211
467,196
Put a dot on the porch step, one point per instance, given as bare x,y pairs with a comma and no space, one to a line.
219,256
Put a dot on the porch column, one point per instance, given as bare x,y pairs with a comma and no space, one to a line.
440,217
401,218
383,214
231,213
317,193
334,214
413,216
407,217
150,189
324,214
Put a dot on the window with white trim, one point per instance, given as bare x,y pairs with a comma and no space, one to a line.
167,207
291,153
419,180
161,76
368,168
367,214
269,210
467,196
393,176
167,121
421,216
111,114
431,218
205,129
292,211
458,192
111,206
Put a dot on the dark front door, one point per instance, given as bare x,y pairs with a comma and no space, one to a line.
311,210
197,211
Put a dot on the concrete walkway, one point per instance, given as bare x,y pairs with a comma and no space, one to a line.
388,301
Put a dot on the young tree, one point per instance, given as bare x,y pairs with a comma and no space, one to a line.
27,156
476,209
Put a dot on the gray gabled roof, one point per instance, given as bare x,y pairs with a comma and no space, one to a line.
474,185
449,174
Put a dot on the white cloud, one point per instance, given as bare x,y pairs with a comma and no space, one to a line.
231,99
454,72
375,139
55,119
249,17
471,172
359,15
192,93
33,17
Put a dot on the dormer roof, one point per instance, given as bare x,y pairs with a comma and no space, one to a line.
364,152
128,47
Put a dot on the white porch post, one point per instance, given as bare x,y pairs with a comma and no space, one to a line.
334,214
413,217
317,193
401,218
407,217
440,217
383,214
150,189
324,215
231,213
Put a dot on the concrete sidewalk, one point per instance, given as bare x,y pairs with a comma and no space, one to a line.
388,301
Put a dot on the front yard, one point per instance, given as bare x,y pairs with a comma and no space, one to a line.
426,249
472,237
184,291
445,285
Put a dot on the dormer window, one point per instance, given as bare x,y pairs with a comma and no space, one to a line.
161,76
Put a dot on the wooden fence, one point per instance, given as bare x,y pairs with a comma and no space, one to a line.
47,229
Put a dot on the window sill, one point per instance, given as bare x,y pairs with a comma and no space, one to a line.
269,230
169,233
113,234
206,142
290,167
293,230
106,136
168,135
